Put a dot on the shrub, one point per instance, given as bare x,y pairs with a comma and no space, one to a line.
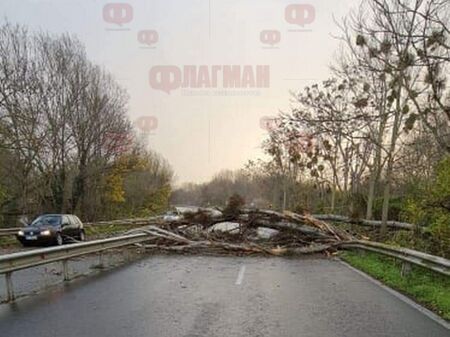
396,205
429,207
235,203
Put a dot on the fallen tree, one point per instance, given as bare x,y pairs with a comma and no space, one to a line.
364,222
240,233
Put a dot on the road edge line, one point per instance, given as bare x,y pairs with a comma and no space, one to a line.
400,296
240,277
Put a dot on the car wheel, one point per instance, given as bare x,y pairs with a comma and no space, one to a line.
82,235
59,239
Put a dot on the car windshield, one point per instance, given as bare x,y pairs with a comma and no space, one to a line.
47,220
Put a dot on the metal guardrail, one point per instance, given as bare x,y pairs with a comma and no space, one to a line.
32,258
365,222
13,262
134,222
435,263
8,231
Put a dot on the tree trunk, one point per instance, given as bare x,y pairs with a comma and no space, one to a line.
333,198
372,183
390,165
385,209
371,197
376,171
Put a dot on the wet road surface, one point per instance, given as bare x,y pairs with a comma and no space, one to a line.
34,280
218,296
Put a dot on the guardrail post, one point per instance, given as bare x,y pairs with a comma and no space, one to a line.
101,263
9,288
406,268
65,267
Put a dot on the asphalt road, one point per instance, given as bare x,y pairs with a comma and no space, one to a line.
212,296
35,280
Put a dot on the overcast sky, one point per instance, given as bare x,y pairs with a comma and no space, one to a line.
154,46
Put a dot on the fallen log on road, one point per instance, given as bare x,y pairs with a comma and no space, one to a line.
364,222
240,233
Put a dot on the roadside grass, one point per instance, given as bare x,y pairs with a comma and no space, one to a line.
9,241
427,288
421,241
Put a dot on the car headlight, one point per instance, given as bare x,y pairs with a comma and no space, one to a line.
46,232
20,233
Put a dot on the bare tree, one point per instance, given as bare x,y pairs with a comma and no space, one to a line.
62,118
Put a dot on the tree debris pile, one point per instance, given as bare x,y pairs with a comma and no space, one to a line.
249,231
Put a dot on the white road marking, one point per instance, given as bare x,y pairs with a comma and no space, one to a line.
240,277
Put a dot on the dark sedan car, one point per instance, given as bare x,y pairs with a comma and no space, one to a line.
52,229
